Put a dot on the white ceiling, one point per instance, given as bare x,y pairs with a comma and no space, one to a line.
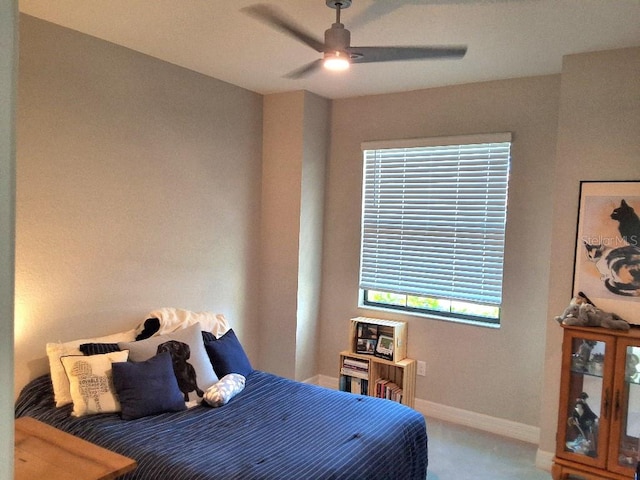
505,38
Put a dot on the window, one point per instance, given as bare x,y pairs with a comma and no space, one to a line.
433,225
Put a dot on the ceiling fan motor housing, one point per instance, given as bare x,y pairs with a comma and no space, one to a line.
337,38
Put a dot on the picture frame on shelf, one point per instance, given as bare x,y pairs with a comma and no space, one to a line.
384,347
607,246
365,347
367,338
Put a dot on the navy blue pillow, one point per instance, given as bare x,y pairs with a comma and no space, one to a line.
147,388
228,356
98,348
208,337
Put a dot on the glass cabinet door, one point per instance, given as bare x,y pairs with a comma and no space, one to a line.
624,449
586,393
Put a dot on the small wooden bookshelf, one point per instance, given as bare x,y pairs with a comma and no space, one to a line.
378,371
366,336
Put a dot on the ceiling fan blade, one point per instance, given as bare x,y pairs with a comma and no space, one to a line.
275,19
390,54
308,69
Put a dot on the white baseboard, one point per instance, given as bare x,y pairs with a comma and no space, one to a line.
316,380
544,460
325,381
498,426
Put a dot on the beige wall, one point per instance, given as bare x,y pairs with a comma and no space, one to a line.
316,145
496,372
295,140
280,224
138,187
8,74
598,139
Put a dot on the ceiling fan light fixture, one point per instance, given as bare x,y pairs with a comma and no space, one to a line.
337,51
336,61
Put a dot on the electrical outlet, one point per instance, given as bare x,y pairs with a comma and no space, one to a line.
422,368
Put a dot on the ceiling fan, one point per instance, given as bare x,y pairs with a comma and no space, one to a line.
337,51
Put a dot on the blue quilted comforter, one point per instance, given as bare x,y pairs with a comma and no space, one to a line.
274,429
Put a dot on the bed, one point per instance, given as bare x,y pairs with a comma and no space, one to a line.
274,429
178,395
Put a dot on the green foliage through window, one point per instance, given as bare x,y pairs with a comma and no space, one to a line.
454,308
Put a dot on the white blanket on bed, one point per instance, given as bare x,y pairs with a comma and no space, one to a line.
172,319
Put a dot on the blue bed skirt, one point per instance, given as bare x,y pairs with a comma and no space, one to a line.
274,429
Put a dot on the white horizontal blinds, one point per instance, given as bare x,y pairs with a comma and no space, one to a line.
434,219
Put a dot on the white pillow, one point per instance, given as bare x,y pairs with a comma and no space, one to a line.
91,382
224,390
56,350
173,319
191,363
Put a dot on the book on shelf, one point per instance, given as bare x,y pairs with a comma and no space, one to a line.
343,384
354,373
355,363
353,384
356,385
355,368
385,388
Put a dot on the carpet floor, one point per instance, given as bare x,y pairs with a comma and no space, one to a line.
460,453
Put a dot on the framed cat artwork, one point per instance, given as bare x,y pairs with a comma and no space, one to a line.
607,257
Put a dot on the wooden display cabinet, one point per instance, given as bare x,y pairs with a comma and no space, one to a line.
598,435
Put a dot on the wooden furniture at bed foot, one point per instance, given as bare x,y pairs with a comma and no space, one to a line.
42,451
598,434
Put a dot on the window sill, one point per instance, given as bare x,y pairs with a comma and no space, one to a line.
430,316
